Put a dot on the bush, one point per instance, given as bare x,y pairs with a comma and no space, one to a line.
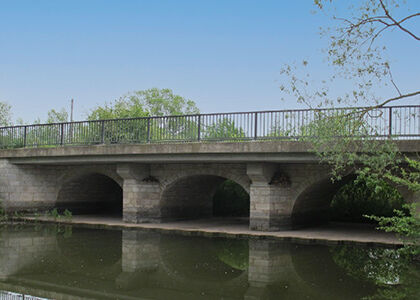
230,199
359,198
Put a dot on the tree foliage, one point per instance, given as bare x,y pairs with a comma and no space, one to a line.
406,221
356,51
146,103
230,199
151,102
359,198
57,116
223,129
408,176
5,114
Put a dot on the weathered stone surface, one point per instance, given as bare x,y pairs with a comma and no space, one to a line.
140,251
140,197
287,187
22,248
215,152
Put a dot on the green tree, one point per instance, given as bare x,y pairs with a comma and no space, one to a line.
230,199
223,129
356,53
151,102
5,114
359,198
9,137
57,116
406,221
47,135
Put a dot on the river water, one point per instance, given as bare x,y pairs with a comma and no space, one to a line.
56,262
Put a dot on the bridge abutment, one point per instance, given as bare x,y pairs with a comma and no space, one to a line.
28,188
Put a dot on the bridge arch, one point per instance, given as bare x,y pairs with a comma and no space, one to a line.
312,202
91,191
191,196
226,171
313,199
75,172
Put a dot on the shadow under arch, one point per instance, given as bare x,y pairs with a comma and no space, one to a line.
90,252
191,196
91,193
77,172
312,206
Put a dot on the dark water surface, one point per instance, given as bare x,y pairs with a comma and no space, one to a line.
77,263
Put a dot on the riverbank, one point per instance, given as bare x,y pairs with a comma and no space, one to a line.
332,233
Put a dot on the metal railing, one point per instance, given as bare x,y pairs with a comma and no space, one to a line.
401,122
6,295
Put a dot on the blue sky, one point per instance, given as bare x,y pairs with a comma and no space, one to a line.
225,55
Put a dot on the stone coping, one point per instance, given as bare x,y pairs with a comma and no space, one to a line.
180,148
248,151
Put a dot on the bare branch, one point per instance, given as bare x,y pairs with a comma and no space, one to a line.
366,110
409,17
398,24
397,98
393,82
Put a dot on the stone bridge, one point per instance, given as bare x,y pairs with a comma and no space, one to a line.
287,185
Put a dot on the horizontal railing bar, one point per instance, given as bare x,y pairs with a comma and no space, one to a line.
215,114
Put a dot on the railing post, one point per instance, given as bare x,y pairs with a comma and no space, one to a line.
255,125
62,134
24,136
71,132
148,130
102,132
390,122
199,128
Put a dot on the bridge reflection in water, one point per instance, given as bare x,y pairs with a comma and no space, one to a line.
75,263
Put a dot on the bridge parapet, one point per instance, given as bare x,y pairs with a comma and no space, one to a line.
402,122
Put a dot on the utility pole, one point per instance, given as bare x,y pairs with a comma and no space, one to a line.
71,110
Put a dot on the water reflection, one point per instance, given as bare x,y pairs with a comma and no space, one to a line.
74,263
395,274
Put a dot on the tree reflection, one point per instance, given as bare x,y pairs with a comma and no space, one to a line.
395,274
234,253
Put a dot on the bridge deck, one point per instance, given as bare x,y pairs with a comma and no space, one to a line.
251,151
